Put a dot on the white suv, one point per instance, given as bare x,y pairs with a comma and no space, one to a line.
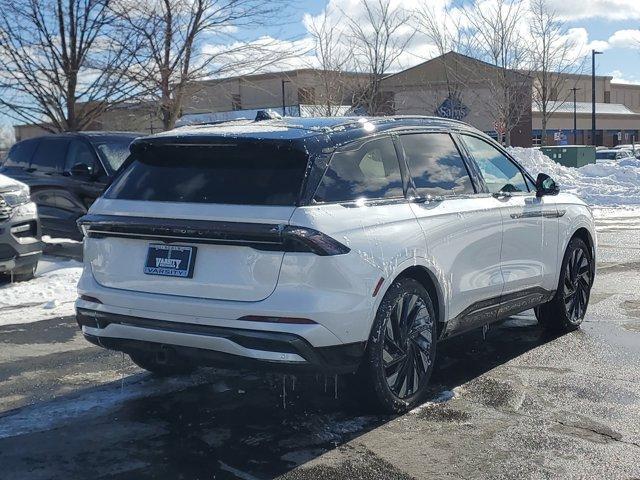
326,244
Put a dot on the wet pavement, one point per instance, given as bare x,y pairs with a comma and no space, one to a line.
518,404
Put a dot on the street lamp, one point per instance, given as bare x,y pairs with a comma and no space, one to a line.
593,96
575,120
284,106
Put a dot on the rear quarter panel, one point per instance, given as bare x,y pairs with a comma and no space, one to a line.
384,240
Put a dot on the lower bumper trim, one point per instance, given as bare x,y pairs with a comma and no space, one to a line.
335,359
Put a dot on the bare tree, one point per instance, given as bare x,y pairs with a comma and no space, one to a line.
445,32
175,56
497,38
332,58
377,42
59,64
553,57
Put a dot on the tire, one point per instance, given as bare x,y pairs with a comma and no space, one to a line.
24,274
161,365
399,357
566,311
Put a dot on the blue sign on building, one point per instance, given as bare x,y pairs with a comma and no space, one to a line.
452,107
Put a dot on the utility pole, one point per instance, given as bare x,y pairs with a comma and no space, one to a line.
593,96
284,105
575,118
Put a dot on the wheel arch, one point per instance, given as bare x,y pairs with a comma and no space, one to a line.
583,234
430,282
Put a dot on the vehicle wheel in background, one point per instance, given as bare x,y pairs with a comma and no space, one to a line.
401,349
566,311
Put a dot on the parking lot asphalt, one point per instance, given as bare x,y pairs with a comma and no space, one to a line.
516,404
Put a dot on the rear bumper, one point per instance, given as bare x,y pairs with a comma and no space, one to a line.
20,244
217,346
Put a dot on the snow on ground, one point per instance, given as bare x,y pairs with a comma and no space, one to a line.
51,294
608,184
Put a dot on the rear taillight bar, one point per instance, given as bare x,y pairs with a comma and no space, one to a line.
300,239
259,236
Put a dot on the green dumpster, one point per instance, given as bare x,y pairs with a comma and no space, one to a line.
571,155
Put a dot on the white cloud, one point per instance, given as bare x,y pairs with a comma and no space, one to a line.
620,77
608,9
625,39
583,46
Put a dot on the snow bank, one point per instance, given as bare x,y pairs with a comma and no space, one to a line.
51,294
603,185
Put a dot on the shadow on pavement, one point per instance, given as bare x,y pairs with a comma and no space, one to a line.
232,425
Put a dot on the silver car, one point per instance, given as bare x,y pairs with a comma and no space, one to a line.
20,243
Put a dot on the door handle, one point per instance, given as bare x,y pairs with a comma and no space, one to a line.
501,194
428,199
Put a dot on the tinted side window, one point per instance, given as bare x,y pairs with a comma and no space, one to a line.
80,152
499,172
50,155
435,164
368,170
21,153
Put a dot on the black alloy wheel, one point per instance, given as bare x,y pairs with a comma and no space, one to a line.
567,309
400,354
407,344
577,285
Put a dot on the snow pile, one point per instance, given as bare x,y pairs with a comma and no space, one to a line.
604,184
52,293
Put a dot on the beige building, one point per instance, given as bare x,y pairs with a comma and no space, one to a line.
138,117
451,85
325,90
461,87
425,88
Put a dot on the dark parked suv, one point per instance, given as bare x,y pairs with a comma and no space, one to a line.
66,173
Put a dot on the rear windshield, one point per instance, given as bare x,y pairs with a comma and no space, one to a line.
256,174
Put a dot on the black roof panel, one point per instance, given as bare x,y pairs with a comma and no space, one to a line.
292,128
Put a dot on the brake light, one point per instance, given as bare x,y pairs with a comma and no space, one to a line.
301,239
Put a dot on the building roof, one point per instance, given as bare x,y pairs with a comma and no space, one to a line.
585,107
276,74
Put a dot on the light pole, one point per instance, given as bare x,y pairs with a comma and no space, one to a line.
284,106
575,120
593,96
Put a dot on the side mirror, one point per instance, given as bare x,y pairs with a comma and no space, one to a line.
81,170
545,185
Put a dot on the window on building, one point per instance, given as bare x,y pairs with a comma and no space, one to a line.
607,97
553,96
307,96
369,170
436,165
236,102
